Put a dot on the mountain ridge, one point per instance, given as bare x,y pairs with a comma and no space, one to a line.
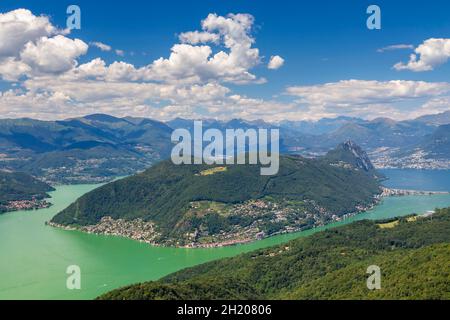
99,147
90,149
184,204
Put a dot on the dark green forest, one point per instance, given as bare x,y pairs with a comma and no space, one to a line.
413,256
163,193
21,186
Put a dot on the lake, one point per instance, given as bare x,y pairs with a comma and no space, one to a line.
34,257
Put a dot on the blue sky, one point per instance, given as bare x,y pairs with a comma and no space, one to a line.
321,42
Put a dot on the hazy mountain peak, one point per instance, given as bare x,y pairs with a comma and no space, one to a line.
102,118
387,121
436,119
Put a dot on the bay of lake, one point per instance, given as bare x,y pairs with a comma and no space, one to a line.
34,257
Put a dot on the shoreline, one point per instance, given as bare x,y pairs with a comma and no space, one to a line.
391,192
149,237
25,205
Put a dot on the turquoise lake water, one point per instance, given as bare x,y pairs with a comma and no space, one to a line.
34,257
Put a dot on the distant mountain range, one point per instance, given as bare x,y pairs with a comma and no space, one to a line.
420,143
204,205
99,147
94,148
436,119
438,143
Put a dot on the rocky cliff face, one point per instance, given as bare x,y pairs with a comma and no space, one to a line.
351,154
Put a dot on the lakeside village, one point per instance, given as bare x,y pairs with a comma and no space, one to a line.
388,158
267,219
18,205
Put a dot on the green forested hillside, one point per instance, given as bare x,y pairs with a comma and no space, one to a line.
406,274
17,186
173,197
21,186
413,257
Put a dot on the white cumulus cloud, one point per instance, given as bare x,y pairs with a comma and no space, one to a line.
276,62
202,63
196,37
195,61
364,98
367,91
12,69
31,45
53,55
430,54
20,26
190,81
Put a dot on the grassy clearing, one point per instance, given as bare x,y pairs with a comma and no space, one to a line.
202,208
389,225
393,224
212,171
